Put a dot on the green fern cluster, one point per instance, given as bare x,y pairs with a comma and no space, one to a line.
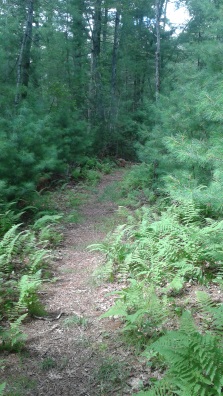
2,387
8,216
194,361
143,313
116,249
180,245
46,228
212,311
22,258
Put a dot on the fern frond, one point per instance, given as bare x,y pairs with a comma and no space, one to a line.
214,310
195,361
10,243
2,387
46,220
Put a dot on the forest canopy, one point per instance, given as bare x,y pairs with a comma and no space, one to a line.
81,79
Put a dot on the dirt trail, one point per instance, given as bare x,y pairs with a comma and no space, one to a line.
79,359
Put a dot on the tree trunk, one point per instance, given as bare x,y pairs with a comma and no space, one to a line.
114,58
95,94
24,57
105,28
157,56
114,107
96,38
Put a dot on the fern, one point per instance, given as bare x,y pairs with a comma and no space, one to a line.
28,286
8,217
46,220
9,245
179,245
215,312
115,248
13,337
195,361
21,260
2,387
143,312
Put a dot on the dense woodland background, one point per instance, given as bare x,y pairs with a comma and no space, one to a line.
111,78
84,82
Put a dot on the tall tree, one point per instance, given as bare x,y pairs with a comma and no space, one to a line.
157,5
23,67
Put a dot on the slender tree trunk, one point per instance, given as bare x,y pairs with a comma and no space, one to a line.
96,38
157,56
105,29
114,57
24,57
96,50
113,107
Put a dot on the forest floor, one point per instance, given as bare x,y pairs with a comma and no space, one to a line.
73,351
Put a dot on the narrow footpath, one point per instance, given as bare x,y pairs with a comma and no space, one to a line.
76,353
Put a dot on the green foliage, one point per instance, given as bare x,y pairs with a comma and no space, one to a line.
176,247
48,363
50,236
138,177
214,312
143,313
75,320
163,389
91,169
2,387
8,217
45,221
91,176
115,249
18,385
43,203
12,338
28,286
110,374
21,260
47,232
194,361
113,192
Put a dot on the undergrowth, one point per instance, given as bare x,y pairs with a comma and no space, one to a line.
157,252
194,360
143,312
24,258
169,249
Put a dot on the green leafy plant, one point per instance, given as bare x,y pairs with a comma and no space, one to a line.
110,374
48,363
143,313
46,220
8,216
75,320
91,176
116,251
213,312
180,245
28,286
2,387
12,338
21,260
194,361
